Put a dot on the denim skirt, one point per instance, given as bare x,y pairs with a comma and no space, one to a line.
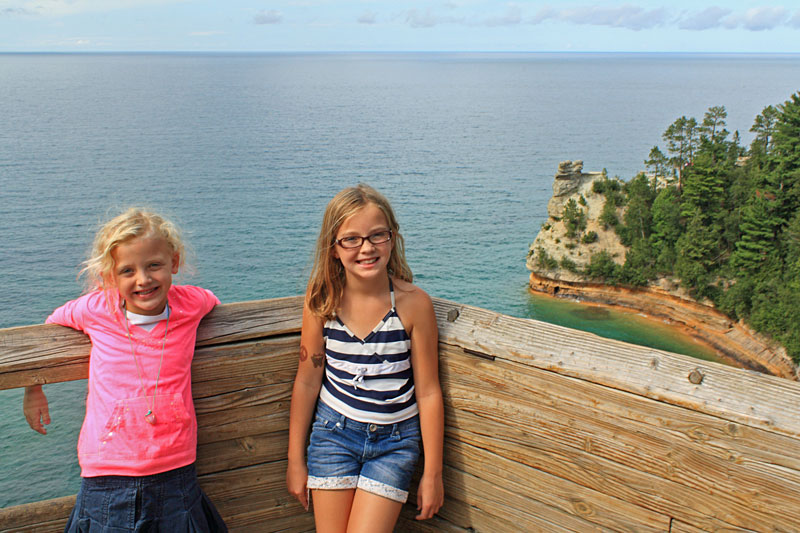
170,502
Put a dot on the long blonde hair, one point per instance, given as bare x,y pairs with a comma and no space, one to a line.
134,222
327,279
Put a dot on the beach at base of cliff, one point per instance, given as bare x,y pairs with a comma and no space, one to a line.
734,341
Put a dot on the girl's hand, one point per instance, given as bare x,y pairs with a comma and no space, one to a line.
430,496
296,478
34,405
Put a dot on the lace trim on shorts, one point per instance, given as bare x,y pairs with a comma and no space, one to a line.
382,489
342,482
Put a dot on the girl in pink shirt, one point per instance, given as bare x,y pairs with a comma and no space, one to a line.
138,442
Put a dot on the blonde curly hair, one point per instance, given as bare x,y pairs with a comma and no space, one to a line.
133,223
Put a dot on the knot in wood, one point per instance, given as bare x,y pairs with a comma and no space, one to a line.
696,377
452,315
582,508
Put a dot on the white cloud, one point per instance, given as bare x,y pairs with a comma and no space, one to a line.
759,18
428,19
60,8
543,14
368,17
11,11
794,22
267,17
512,17
710,17
625,16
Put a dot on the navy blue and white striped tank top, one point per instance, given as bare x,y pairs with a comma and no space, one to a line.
370,379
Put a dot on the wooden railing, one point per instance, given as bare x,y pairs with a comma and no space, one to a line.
547,428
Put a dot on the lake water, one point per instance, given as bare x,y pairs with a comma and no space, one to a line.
246,149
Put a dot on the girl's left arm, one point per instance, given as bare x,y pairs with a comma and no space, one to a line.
425,365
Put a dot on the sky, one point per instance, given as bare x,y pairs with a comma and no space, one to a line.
400,25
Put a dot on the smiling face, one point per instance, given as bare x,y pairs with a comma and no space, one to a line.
143,269
368,260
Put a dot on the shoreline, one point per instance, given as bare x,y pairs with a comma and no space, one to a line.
733,341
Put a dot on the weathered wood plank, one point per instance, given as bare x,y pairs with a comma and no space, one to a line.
408,524
554,441
257,487
563,431
255,522
239,413
40,517
50,354
225,368
35,355
244,451
248,320
41,354
475,519
254,420
734,394
681,527
484,506
691,448
532,488
714,509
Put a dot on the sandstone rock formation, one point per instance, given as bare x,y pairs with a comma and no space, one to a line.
572,183
664,299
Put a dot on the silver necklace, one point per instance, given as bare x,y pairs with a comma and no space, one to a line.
149,416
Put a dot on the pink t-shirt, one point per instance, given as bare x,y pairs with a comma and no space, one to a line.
115,438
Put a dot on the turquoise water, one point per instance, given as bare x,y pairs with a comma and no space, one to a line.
246,149
627,326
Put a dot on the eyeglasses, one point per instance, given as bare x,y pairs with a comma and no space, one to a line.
355,241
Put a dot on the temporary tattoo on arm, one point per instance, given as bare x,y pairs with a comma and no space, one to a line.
303,353
318,359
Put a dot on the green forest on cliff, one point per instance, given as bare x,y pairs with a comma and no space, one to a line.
727,223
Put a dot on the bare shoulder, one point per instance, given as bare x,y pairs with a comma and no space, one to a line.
413,304
410,294
312,323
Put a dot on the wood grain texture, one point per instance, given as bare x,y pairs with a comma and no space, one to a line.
734,394
547,429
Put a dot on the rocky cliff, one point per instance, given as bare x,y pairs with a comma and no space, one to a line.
556,260
571,183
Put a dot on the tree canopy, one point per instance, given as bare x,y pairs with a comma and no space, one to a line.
728,227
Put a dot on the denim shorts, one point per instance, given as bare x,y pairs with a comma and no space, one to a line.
347,454
168,502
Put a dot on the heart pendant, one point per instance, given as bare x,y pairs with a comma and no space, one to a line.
150,416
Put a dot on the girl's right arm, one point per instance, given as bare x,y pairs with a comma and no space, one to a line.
307,383
34,403
37,412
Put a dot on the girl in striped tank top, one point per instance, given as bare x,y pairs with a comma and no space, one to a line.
368,376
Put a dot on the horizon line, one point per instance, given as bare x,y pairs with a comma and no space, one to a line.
639,52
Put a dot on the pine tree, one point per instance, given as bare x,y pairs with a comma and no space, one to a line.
764,128
759,229
574,218
704,189
657,162
713,134
784,159
682,139
637,218
666,228
695,252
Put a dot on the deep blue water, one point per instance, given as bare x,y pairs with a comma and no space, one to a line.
246,149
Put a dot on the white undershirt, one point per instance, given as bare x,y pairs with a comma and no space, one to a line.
147,322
